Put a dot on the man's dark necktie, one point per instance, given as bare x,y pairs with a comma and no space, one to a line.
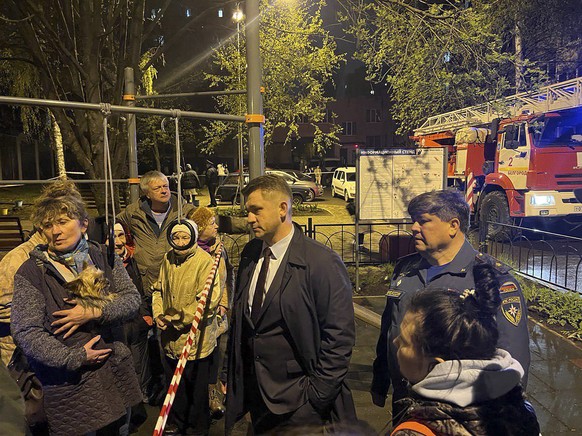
260,288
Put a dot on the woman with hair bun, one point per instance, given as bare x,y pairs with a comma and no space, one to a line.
460,383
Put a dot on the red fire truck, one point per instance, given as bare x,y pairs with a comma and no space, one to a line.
517,158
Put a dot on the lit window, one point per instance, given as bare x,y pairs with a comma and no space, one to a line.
188,12
220,13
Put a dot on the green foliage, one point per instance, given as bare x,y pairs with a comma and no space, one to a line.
309,208
74,51
443,58
22,79
298,60
374,280
558,308
303,209
232,211
446,55
149,73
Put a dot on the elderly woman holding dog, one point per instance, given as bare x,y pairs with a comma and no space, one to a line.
72,343
175,298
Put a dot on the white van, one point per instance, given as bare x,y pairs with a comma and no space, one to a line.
343,183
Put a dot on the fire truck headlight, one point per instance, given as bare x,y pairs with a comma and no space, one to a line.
542,200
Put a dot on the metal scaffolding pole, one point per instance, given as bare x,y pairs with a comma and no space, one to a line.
57,179
255,118
190,94
129,101
21,101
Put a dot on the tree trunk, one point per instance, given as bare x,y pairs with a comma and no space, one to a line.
58,147
157,153
519,85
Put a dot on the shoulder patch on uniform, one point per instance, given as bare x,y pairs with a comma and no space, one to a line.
392,293
507,287
512,310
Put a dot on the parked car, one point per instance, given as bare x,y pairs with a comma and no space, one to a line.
302,191
343,183
299,178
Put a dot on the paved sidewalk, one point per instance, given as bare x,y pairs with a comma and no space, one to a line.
554,389
359,379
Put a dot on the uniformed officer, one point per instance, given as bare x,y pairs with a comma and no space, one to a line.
444,259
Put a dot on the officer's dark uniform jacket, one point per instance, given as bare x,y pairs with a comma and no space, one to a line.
410,276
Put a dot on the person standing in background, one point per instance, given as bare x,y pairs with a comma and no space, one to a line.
211,182
136,328
8,267
317,173
190,184
147,220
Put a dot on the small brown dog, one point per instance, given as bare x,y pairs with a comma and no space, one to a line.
90,288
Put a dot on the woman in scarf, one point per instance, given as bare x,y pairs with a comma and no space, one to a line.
208,240
175,298
137,328
73,345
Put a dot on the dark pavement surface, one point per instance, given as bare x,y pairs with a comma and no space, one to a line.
554,388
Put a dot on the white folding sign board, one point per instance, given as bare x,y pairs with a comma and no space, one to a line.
388,179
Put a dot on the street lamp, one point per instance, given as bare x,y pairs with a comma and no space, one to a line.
255,117
237,17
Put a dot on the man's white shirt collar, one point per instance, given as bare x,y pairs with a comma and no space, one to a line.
279,248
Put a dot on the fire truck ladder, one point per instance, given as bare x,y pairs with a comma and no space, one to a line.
561,95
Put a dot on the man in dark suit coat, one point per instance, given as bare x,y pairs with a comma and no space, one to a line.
290,347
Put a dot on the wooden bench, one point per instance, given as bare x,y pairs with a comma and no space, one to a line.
11,234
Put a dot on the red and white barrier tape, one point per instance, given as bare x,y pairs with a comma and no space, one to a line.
169,400
469,194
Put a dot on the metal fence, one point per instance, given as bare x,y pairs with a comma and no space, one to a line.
374,243
551,258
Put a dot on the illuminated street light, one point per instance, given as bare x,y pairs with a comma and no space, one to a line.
238,16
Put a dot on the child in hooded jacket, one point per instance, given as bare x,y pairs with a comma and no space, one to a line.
175,298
